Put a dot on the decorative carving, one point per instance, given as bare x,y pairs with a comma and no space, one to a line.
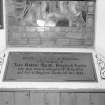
101,64
2,56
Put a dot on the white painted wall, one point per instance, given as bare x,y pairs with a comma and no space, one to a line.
100,25
100,28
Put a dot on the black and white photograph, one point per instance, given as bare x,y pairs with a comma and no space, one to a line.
52,52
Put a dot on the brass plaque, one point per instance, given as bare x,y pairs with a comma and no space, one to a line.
50,66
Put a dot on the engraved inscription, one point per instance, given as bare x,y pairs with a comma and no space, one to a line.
50,66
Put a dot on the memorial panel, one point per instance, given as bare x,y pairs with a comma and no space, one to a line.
50,66
50,23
